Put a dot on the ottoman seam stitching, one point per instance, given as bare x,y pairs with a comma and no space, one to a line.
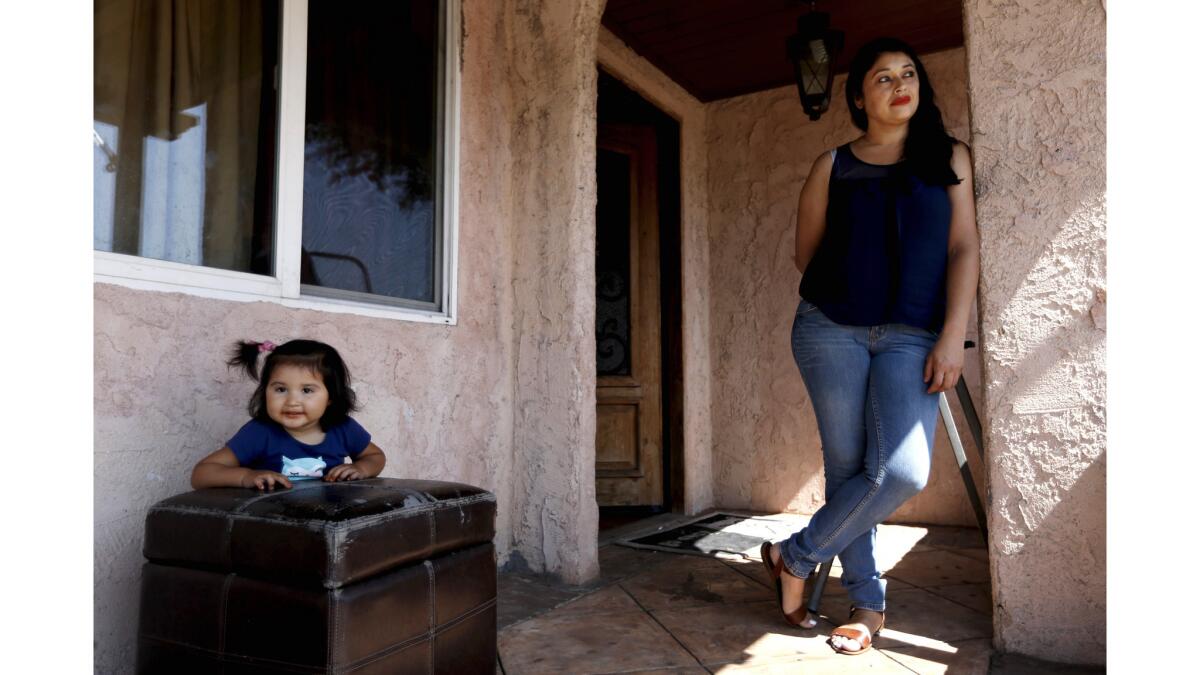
330,622
417,639
432,614
229,658
371,519
432,531
229,520
224,612
465,615
335,629
332,542
253,500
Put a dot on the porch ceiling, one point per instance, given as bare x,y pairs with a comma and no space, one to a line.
721,48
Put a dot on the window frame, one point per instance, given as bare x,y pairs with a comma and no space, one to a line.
284,286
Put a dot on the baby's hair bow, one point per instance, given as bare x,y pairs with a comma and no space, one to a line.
266,346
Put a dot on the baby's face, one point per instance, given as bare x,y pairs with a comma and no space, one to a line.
296,398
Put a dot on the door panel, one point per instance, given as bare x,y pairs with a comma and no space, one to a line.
629,457
617,425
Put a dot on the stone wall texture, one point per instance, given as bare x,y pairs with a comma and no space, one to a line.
1037,81
766,450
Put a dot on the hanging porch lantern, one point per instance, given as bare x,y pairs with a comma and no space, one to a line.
813,50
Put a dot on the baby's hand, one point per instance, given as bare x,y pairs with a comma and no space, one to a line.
265,480
344,472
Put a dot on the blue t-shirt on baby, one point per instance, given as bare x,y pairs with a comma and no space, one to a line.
266,446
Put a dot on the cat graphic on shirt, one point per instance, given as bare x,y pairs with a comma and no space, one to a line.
303,468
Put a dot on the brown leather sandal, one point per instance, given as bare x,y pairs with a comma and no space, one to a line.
797,617
863,637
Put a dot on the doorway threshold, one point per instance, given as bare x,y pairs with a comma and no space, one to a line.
649,525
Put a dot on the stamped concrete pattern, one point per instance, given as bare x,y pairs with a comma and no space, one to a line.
974,596
608,642
661,612
940,568
693,582
969,657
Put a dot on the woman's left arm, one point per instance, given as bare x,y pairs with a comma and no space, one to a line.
944,364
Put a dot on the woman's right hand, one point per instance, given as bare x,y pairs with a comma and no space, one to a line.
944,364
264,480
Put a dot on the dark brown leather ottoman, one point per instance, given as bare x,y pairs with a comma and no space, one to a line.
372,576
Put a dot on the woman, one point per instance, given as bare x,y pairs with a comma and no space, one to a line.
887,244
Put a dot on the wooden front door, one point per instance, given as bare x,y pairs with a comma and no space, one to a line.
629,422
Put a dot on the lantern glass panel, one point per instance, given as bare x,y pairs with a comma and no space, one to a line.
815,76
817,49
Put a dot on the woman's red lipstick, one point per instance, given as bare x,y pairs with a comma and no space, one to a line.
902,100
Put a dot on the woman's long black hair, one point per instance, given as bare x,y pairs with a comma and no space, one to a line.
316,356
928,147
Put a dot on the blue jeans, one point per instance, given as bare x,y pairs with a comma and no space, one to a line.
876,424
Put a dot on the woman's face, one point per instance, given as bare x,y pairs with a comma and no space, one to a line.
890,89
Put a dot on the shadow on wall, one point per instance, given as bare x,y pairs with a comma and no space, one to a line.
1058,560
1044,367
1044,328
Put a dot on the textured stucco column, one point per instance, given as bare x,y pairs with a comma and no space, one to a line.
1037,83
552,82
652,84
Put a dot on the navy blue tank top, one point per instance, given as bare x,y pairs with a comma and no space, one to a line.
883,256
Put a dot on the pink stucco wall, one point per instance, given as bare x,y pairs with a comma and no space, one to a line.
1037,77
766,450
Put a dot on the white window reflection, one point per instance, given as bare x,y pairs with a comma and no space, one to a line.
104,182
172,226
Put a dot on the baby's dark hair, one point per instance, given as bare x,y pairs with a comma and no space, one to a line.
316,356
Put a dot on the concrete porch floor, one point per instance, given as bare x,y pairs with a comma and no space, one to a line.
652,612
